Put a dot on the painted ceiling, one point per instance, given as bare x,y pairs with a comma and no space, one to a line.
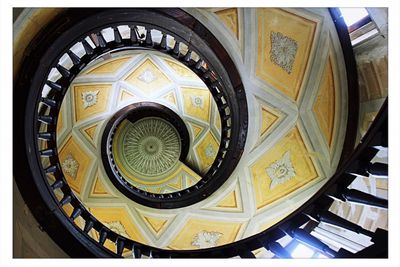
289,62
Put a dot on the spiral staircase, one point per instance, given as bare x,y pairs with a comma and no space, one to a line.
196,133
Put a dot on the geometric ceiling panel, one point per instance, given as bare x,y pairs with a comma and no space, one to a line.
324,105
231,202
99,189
125,95
229,17
148,77
281,170
270,117
90,132
206,151
74,163
197,129
205,233
170,97
156,224
197,103
90,99
284,45
110,67
119,220
180,69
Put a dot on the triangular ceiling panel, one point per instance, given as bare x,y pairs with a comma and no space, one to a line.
89,132
231,20
270,119
125,95
324,105
99,190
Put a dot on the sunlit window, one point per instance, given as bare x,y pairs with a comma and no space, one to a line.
352,15
302,252
359,24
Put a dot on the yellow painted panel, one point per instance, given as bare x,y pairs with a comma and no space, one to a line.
324,105
148,77
82,110
207,151
109,66
227,232
156,224
197,129
99,190
74,163
196,102
115,215
181,69
300,161
268,119
91,131
296,34
229,201
125,95
230,18
176,184
170,97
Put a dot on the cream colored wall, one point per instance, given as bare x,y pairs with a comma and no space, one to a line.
29,240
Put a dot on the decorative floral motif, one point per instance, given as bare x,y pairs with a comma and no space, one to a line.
70,166
210,152
198,101
89,98
117,227
281,171
283,51
147,76
206,239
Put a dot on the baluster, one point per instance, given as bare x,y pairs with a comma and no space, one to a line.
103,236
49,102
312,241
46,119
356,196
163,43
77,212
57,184
175,51
88,48
278,250
54,86
331,218
63,71
46,136
149,40
117,35
51,169
88,225
246,254
75,59
101,40
378,169
134,37
47,152
65,200
188,56
137,253
120,244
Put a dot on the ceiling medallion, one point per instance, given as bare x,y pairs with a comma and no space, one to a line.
149,147
283,51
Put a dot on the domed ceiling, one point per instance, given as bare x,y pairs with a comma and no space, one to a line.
289,62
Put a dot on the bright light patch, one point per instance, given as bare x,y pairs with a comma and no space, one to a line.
352,15
301,252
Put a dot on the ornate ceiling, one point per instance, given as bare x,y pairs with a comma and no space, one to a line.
297,98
